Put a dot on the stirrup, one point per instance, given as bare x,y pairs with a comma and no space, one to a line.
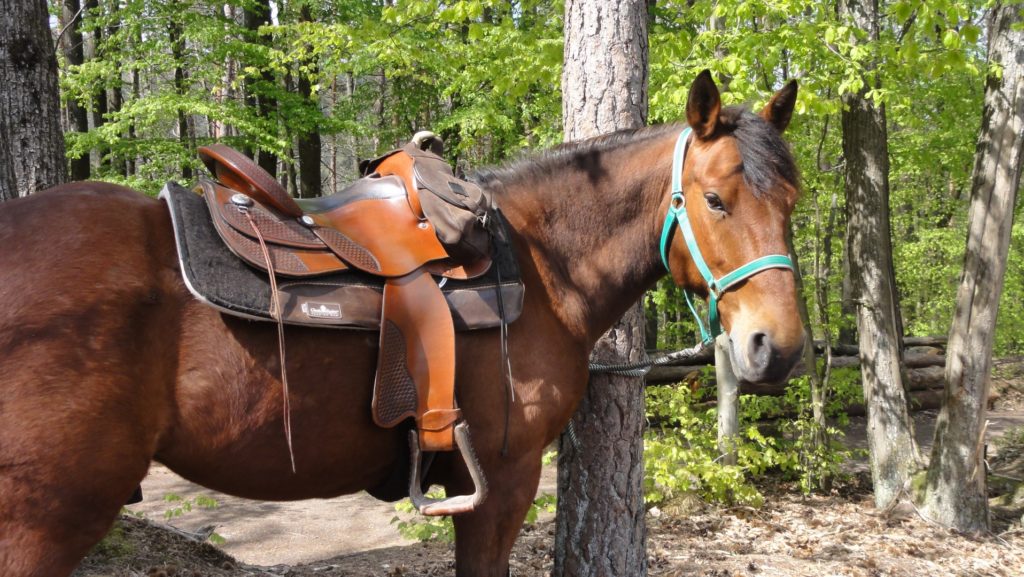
450,505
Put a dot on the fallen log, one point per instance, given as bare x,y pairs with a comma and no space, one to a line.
920,379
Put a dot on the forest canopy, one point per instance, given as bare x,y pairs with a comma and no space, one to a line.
297,82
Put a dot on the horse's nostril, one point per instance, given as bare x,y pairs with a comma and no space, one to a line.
759,350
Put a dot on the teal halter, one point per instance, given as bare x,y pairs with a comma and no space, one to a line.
677,216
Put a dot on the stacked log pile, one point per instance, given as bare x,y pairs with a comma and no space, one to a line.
924,359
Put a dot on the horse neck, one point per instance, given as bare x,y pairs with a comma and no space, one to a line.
587,233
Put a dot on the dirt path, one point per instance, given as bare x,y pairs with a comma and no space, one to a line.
272,533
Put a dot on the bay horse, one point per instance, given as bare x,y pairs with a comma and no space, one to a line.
107,362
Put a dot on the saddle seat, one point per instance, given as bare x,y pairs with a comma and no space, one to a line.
376,225
372,224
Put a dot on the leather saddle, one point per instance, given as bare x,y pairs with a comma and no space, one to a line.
378,226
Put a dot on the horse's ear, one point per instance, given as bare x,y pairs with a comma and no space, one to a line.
779,110
703,105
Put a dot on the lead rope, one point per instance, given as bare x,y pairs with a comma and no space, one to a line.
641,368
275,313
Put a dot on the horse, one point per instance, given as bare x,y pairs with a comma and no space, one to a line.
107,362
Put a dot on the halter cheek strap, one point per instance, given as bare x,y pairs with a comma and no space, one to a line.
677,216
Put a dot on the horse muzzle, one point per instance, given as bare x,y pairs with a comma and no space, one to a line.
759,358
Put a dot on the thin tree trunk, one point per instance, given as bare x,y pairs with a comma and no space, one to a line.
74,55
809,358
254,16
893,451
100,105
600,524
118,163
955,491
174,32
29,100
728,389
309,145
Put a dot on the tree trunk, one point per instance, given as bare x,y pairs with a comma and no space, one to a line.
253,16
600,524
117,161
100,104
728,387
174,32
309,145
8,183
29,100
74,55
955,492
893,452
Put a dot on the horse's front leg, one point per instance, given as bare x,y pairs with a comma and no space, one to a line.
484,538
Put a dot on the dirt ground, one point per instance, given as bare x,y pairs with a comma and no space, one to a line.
839,534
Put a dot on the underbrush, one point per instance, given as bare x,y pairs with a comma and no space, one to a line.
777,435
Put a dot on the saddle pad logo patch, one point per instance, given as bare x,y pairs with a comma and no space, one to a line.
322,310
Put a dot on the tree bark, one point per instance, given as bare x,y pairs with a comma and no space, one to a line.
254,16
728,388
893,451
309,144
74,55
177,41
600,529
8,182
29,100
955,490
100,104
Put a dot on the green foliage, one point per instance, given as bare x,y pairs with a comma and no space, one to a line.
681,447
180,505
418,527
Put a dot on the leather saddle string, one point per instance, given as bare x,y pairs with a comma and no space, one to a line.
506,365
275,313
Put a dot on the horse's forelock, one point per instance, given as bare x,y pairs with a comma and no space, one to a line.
767,159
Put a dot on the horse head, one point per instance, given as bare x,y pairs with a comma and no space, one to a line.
734,193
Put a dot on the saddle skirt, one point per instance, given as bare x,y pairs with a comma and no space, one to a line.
346,298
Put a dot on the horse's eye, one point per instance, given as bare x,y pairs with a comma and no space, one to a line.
714,202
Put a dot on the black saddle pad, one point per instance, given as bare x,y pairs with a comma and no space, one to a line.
349,299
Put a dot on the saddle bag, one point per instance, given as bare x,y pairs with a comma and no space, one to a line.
461,212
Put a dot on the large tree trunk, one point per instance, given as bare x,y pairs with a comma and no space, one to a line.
8,183
29,100
600,524
74,55
893,452
955,493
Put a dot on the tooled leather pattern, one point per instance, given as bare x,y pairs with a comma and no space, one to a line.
395,396
285,262
348,250
275,230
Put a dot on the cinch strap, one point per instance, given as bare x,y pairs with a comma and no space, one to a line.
677,216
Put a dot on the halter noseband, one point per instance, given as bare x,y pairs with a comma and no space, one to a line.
677,216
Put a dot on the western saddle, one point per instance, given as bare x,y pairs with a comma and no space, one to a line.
406,221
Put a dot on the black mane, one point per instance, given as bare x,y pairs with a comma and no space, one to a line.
766,156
